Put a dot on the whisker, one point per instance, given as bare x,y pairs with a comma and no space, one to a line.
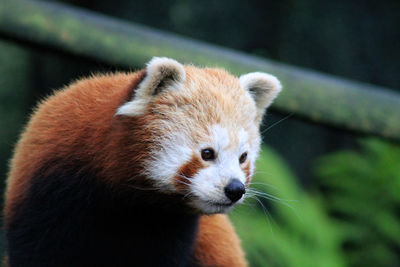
263,172
266,213
265,184
188,194
182,182
140,188
277,122
247,203
183,176
275,199
272,197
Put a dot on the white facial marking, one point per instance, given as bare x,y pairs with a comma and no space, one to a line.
244,146
220,137
208,185
166,162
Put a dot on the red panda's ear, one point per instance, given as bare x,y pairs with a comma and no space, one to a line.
262,87
161,74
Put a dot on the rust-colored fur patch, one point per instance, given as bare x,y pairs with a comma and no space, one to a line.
217,243
187,171
246,170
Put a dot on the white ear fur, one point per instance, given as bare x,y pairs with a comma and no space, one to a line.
263,88
161,74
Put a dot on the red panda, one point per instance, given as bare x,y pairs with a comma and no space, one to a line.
136,169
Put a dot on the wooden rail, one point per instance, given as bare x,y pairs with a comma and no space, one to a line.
318,97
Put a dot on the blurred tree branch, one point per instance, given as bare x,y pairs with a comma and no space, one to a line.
317,97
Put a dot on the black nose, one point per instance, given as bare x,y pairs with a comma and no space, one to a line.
235,190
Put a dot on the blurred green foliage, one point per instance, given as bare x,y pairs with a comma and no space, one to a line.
293,229
362,194
352,220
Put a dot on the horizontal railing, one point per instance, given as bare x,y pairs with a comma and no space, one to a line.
318,97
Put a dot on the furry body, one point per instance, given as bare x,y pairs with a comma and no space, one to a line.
107,172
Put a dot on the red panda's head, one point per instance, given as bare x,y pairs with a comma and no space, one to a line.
204,129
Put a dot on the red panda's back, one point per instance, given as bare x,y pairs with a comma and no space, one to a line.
68,125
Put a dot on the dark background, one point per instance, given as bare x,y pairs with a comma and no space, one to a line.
358,40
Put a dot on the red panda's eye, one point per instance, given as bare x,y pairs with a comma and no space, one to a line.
243,158
208,154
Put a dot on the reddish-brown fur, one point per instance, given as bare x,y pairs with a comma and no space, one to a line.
227,251
85,134
247,171
68,138
187,171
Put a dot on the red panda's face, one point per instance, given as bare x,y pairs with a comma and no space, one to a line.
204,130
205,168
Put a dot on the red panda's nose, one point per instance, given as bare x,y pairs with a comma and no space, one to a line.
235,190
